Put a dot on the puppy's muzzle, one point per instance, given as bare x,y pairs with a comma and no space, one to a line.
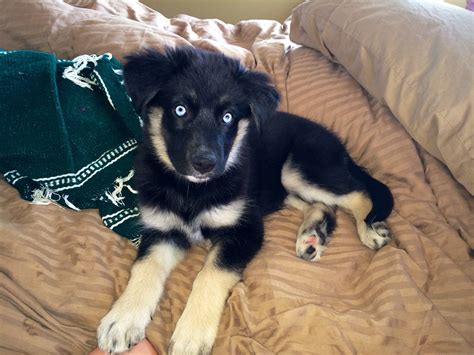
204,161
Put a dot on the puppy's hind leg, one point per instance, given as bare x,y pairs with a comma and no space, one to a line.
369,201
370,207
319,217
315,231
375,234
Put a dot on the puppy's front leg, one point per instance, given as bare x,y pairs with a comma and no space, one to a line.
124,325
197,328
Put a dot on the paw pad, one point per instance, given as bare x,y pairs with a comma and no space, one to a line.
309,246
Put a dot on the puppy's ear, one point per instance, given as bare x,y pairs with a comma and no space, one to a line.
262,94
146,72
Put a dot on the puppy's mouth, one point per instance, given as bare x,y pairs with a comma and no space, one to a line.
189,173
198,178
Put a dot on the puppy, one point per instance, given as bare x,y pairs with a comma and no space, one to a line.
215,159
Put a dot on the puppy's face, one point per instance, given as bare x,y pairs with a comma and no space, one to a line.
198,123
198,107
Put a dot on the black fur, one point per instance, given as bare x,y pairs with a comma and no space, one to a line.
209,85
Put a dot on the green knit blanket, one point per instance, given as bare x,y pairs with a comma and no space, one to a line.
68,133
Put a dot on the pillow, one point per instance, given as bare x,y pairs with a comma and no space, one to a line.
414,56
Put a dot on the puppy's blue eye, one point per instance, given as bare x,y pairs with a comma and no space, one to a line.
180,110
227,118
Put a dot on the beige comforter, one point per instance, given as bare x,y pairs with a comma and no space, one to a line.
61,270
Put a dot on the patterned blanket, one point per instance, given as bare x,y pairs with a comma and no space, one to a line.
68,132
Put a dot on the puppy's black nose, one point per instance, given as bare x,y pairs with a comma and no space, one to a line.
204,162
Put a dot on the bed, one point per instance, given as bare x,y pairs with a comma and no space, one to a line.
61,269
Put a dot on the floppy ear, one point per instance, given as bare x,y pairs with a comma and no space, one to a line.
262,94
146,72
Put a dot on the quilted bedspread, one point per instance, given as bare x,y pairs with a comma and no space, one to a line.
60,270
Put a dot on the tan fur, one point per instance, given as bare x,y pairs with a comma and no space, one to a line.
358,203
242,129
197,328
295,202
156,116
126,322
372,236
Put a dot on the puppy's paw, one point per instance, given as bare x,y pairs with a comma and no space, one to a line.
191,339
122,328
310,244
376,236
315,231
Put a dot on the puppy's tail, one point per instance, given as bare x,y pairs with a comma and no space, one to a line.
379,193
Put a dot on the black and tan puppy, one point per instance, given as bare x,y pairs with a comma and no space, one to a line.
216,158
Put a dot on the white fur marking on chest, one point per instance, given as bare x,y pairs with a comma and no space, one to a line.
223,216
220,216
162,220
